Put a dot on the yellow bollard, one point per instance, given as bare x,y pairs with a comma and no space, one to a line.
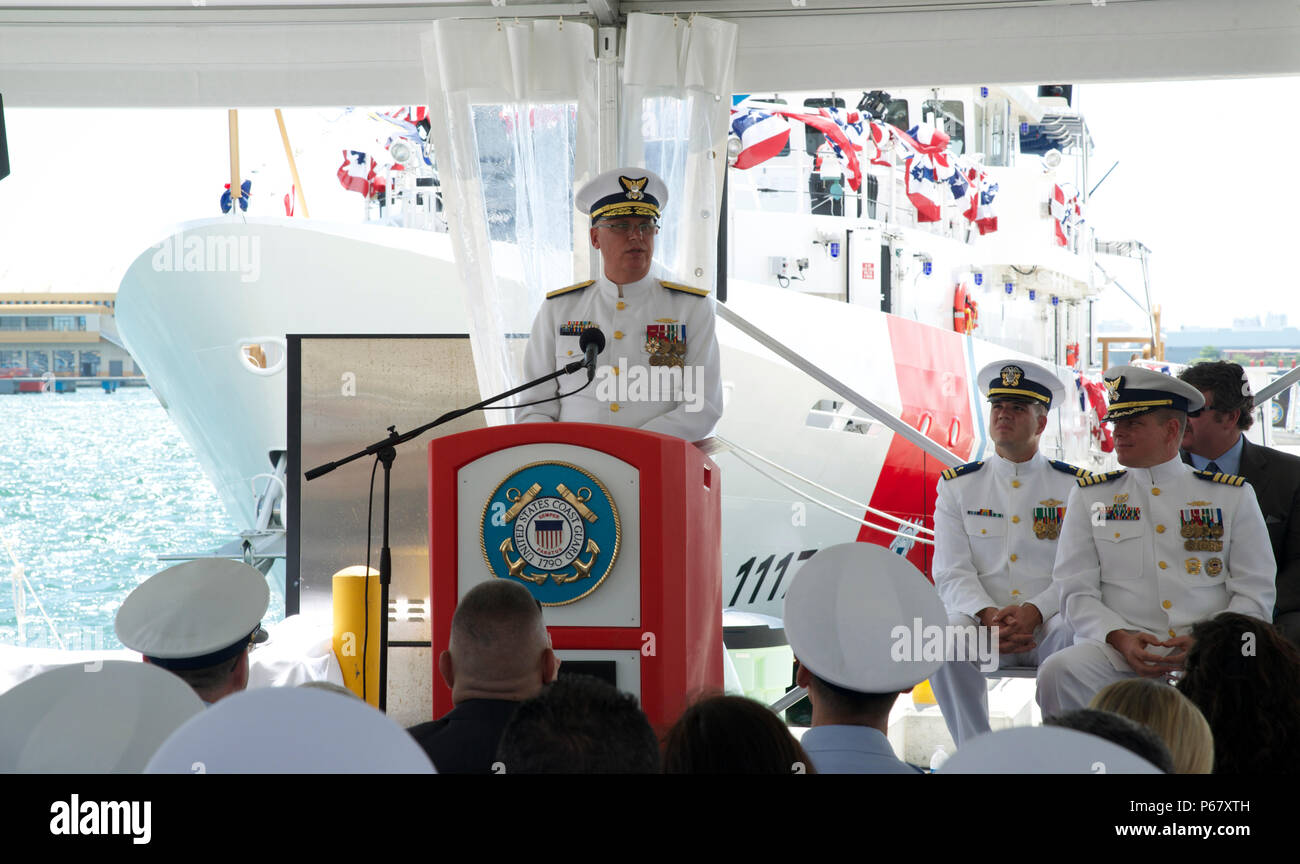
922,695
350,637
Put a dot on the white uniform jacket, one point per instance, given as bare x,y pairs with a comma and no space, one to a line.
1158,549
659,371
996,525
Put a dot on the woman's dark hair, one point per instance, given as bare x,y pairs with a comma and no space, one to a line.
1245,677
732,735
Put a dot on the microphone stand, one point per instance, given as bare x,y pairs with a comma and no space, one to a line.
385,449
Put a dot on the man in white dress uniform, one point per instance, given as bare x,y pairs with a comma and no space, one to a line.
660,369
1147,552
996,525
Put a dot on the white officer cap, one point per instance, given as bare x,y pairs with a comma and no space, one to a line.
1020,380
1134,390
1044,750
196,614
91,718
623,192
290,730
852,616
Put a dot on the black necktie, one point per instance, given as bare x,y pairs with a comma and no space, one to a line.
1213,467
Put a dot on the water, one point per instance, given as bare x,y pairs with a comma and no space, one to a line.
93,488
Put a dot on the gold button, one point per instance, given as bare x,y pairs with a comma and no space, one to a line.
1172,634
621,306
1155,490
618,334
570,353
1013,556
615,368
1166,604
613,406
1015,593
984,531
1116,535
1160,529
1015,520
1015,484
1163,566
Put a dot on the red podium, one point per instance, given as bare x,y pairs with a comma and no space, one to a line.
615,531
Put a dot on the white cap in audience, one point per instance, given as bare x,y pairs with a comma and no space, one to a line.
196,614
857,615
1044,750
92,718
290,730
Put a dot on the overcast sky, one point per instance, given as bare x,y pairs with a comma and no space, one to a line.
1202,180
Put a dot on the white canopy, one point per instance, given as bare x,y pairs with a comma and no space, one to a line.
229,53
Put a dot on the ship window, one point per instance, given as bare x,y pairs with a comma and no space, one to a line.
11,322
10,359
65,361
812,138
69,322
38,362
45,322
949,115
896,114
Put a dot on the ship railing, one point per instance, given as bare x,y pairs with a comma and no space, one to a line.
22,586
907,529
839,388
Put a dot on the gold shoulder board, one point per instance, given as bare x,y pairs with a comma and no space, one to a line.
685,289
565,290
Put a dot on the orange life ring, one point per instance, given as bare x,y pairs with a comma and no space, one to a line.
960,306
965,311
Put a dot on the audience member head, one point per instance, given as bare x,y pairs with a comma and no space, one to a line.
579,725
1133,737
1169,714
732,735
1229,390
499,645
198,620
1245,677
850,614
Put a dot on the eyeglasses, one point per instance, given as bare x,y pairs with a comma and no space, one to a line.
622,229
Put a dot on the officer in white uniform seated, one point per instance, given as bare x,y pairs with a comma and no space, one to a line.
996,525
197,620
857,617
1147,552
659,370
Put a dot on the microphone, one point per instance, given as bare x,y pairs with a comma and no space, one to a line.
592,342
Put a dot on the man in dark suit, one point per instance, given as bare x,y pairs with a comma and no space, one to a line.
1213,442
499,656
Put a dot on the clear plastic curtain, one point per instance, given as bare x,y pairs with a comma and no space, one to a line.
675,111
514,115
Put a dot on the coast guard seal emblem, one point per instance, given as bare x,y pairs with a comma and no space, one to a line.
555,528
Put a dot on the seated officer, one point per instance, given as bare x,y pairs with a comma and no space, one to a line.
995,529
659,370
197,620
851,616
1148,552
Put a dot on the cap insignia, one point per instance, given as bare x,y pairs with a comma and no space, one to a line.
633,189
